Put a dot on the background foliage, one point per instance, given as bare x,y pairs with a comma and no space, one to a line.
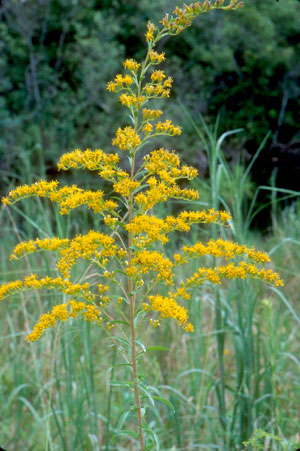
57,56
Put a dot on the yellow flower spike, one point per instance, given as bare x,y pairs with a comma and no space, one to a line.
225,249
10,288
41,189
231,271
68,197
33,283
63,312
92,160
48,244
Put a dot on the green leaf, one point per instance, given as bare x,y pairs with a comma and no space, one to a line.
120,322
165,401
138,315
119,271
124,364
122,340
144,390
120,223
157,348
122,420
114,383
125,432
141,345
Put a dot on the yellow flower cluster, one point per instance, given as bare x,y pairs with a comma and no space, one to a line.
226,249
167,166
151,115
120,82
158,76
48,244
126,186
231,271
126,139
131,64
132,100
167,128
162,128
151,28
93,246
150,228
10,288
94,160
148,128
181,292
68,197
153,228
109,221
41,189
161,193
156,58
205,217
71,197
182,18
62,312
145,261
32,282
169,308
159,89
161,158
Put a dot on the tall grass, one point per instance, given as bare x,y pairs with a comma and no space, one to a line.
236,375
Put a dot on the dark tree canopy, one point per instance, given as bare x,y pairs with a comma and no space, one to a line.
56,57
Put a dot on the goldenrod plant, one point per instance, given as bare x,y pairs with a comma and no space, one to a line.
136,283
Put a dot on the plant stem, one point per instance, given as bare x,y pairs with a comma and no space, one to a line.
135,378
132,326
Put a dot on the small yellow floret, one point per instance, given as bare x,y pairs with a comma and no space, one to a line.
131,64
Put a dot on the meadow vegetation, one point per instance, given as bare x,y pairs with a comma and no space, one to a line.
234,380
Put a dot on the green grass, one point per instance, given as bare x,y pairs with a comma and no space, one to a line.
237,374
